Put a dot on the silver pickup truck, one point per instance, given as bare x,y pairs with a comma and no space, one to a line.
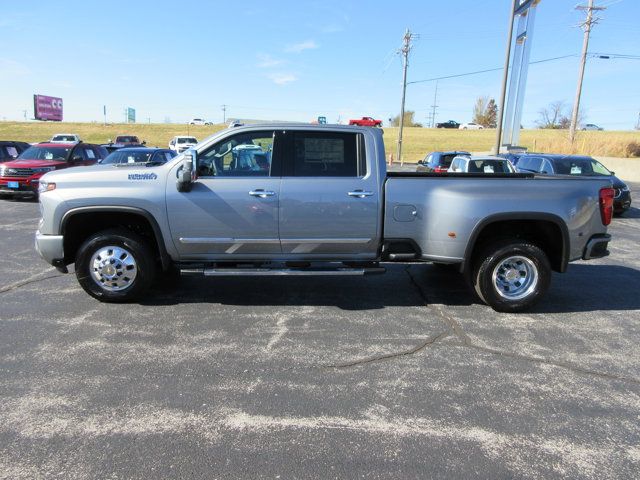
314,200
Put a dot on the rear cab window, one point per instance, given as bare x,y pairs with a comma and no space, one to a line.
326,154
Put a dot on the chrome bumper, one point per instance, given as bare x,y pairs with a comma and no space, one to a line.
596,247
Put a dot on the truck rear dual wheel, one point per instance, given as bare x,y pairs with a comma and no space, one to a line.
511,275
115,265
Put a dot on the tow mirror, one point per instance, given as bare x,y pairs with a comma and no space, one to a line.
186,173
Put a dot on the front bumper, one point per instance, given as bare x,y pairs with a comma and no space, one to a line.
25,186
51,248
597,246
622,202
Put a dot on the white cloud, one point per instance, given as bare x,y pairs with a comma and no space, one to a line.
267,61
300,47
282,78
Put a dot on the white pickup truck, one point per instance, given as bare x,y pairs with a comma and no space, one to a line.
315,200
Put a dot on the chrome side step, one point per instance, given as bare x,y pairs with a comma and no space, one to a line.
275,272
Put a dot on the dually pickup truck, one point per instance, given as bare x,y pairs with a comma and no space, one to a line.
314,200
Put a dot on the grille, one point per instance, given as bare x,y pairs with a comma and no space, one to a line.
15,172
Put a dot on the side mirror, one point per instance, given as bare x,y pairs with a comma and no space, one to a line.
612,173
144,142
186,173
76,159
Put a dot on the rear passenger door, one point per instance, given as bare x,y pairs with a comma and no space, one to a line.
329,198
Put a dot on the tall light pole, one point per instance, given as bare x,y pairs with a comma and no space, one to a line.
224,113
434,106
404,51
505,78
588,23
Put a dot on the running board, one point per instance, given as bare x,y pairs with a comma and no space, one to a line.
273,272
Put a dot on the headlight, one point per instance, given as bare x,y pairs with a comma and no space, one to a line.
43,169
46,187
625,188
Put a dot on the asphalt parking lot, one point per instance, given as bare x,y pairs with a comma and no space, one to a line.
398,375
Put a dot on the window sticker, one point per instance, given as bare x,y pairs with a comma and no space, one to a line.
90,153
489,169
575,170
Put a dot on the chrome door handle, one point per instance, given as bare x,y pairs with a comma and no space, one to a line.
261,193
359,193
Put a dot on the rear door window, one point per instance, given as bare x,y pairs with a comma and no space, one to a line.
327,154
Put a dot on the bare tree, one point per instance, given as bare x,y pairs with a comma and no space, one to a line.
408,120
557,116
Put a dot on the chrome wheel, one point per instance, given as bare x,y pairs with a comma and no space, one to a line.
515,277
113,268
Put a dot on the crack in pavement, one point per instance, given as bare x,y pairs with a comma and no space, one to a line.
465,341
429,341
32,279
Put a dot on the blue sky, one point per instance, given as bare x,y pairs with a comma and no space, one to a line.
293,60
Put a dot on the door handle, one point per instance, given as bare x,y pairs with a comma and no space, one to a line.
261,193
359,193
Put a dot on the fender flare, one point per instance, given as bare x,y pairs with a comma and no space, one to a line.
164,255
523,216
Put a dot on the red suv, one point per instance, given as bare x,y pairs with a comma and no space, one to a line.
22,175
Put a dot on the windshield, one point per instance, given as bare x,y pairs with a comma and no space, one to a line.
64,138
120,156
187,140
580,166
45,153
126,139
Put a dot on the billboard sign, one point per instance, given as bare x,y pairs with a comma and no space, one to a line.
47,108
131,115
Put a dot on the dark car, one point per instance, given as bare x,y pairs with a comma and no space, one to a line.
146,155
21,176
439,162
448,124
9,149
576,165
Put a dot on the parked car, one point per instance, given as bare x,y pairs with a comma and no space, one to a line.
591,126
325,204
144,155
475,164
470,126
513,157
366,122
20,177
181,143
10,149
235,123
65,138
578,165
438,162
199,121
128,141
448,124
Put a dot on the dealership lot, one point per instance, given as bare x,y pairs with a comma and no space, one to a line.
399,375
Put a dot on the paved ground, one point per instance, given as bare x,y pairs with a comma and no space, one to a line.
400,375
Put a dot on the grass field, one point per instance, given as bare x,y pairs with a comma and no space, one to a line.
417,141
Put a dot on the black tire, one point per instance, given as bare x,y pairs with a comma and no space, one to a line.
533,273
143,257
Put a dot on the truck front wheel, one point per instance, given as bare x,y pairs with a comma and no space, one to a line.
115,265
511,275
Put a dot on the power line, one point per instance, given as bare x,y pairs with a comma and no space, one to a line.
476,72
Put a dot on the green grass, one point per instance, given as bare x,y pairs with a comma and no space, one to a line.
417,141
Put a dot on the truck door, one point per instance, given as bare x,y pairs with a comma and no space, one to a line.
232,210
329,198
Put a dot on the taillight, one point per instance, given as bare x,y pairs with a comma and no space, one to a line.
606,204
440,169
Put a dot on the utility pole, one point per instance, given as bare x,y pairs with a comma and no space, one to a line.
434,106
25,115
505,78
638,123
404,51
587,25
224,113
104,113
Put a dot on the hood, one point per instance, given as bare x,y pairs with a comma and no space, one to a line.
617,183
26,163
